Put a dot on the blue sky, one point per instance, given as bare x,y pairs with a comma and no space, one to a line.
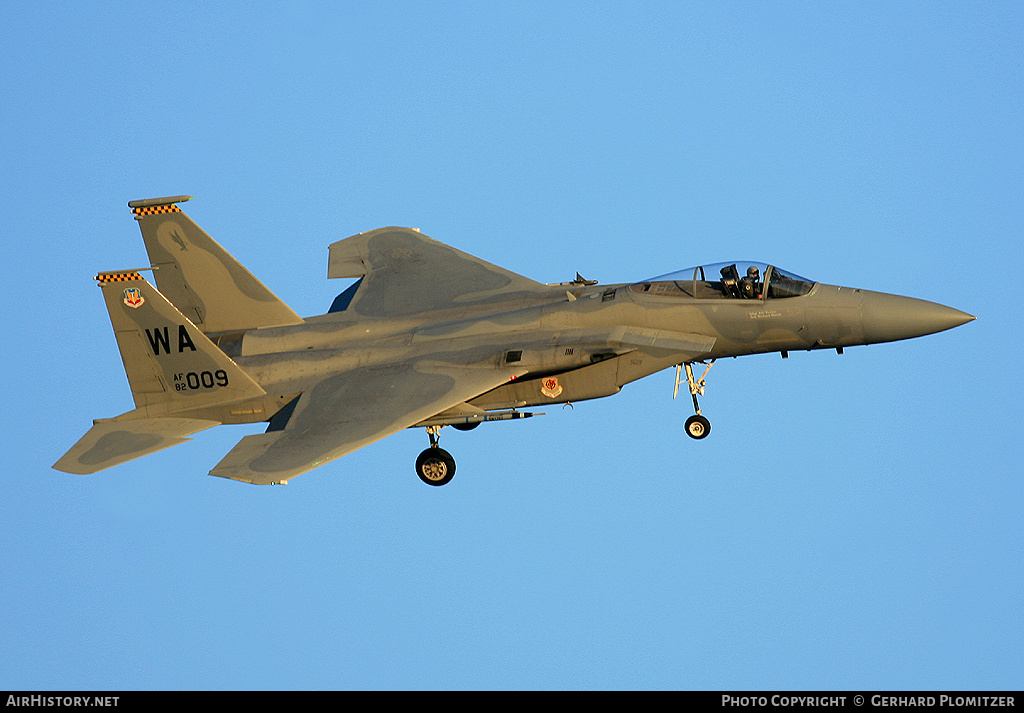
853,522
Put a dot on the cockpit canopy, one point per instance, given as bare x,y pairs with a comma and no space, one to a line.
727,280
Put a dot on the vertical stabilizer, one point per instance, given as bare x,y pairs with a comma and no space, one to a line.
201,278
171,365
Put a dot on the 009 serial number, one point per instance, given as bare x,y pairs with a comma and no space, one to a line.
200,380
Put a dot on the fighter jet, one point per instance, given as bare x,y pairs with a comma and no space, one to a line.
427,337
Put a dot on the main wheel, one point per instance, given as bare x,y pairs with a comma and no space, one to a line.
697,427
435,466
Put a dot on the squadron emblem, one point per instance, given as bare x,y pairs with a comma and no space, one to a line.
133,297
550,387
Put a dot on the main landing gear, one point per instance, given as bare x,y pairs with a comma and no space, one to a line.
435,466
696,426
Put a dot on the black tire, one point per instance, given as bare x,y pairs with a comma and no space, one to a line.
435,466
697,427
465,426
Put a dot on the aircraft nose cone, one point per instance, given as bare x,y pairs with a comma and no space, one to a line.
891,317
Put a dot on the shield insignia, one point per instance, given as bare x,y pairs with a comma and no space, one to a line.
550,387
133,297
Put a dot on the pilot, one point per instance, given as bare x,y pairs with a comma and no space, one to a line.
750,285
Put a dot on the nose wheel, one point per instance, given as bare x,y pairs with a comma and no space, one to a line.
435,465
697,426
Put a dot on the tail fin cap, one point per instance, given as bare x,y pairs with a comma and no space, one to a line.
151,202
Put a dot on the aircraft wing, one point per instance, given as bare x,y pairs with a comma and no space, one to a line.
351,409
405,272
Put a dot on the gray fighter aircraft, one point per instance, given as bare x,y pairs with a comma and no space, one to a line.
429,336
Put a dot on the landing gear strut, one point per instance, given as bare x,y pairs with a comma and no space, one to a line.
696,426
435,466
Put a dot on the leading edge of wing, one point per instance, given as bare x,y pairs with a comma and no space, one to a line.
405,272
352,409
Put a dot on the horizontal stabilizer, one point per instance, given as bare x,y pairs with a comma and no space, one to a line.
111,442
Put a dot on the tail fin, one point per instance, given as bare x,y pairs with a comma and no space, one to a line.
201,278
180,381
171,365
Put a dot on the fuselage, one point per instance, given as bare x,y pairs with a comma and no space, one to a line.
591,339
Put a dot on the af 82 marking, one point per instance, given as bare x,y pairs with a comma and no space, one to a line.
193,381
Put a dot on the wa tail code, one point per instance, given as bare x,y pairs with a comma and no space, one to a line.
159,338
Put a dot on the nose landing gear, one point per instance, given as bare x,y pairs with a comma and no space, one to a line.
696,426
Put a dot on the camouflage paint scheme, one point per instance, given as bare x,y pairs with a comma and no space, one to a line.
429,336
